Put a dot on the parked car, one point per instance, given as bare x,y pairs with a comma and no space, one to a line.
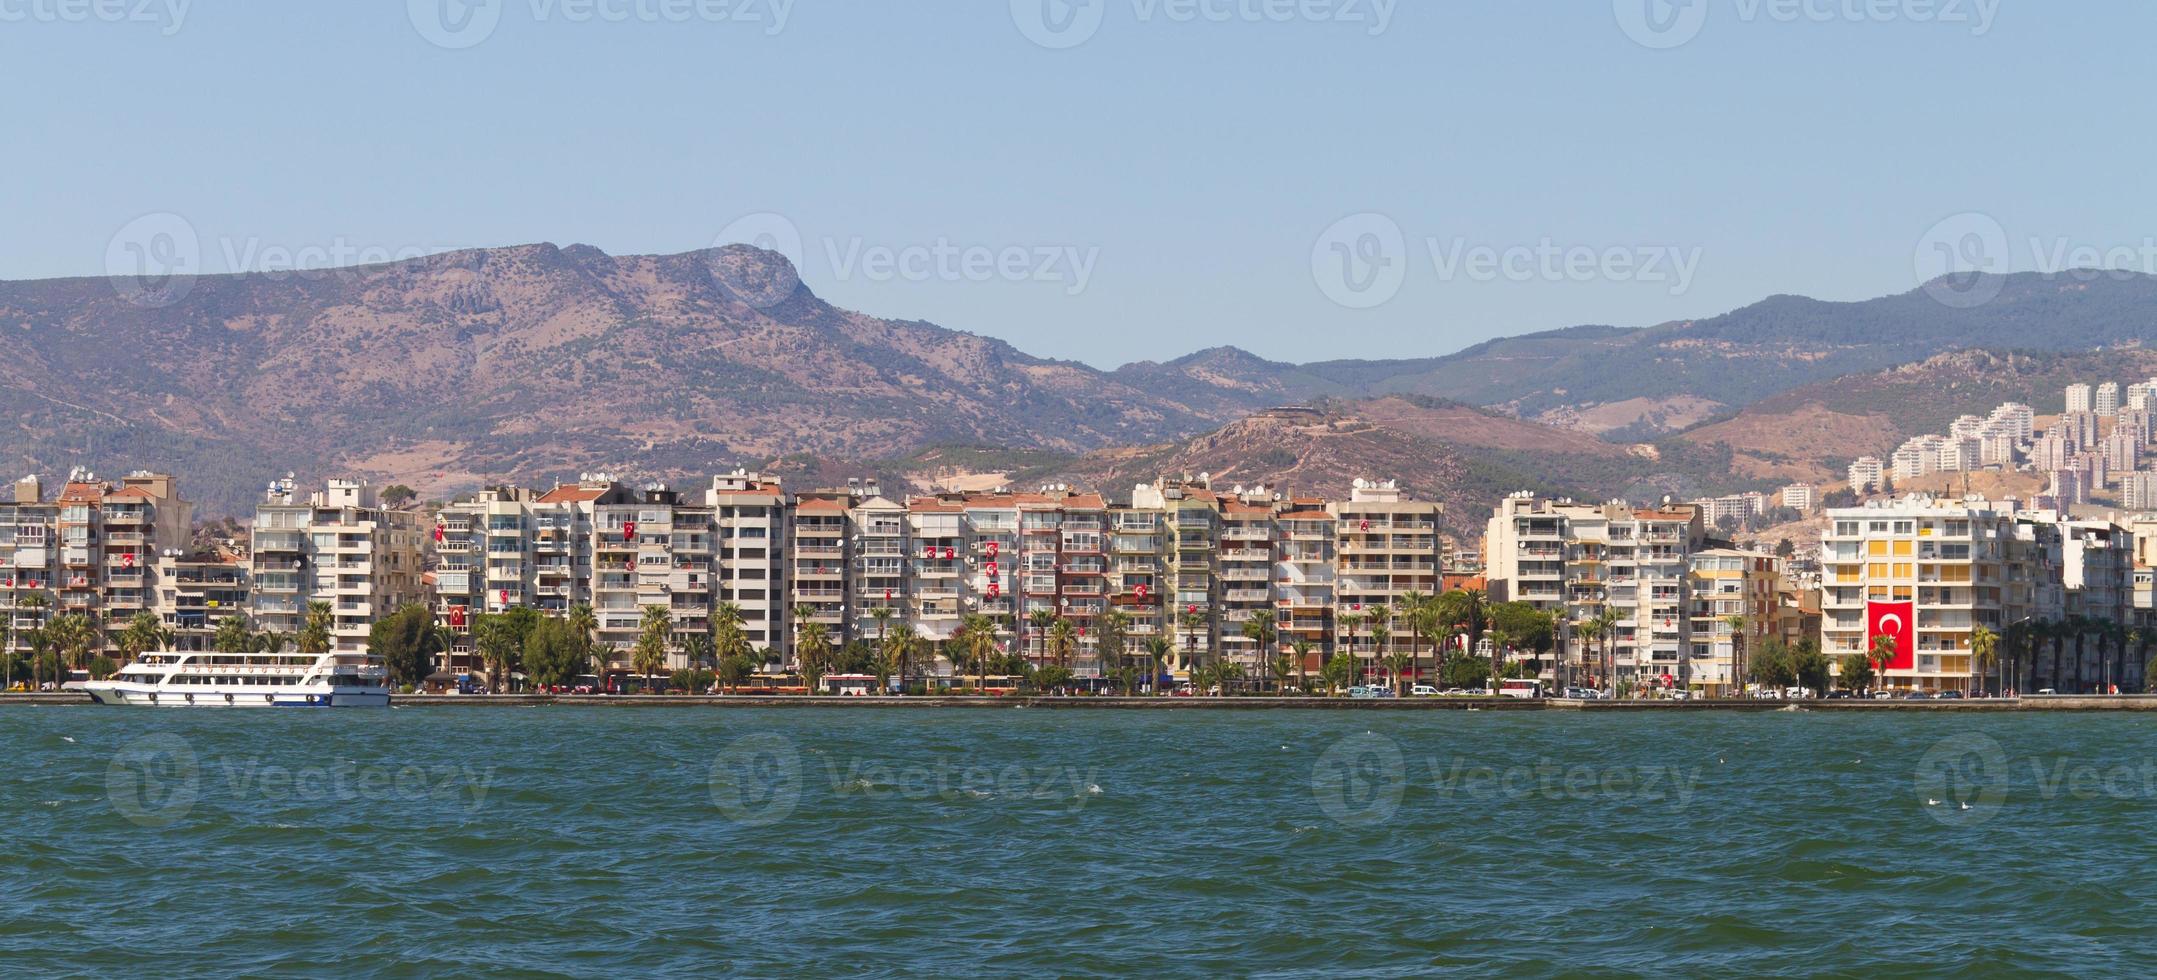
1883,695
1423,691
1917,696
1950,695
1839,695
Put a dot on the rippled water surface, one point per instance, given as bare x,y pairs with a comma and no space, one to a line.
593,841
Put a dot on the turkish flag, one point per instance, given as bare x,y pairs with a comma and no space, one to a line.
456,615
1896,621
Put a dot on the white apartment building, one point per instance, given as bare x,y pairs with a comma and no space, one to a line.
1800,497
1949,558
2138,490
338,545
2107,399
1580,560
1867,474
2079,398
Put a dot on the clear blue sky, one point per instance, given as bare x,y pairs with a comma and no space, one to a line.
1197,162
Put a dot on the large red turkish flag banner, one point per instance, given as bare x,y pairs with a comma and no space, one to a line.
1894,620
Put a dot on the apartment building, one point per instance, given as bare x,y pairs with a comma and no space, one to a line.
1867,474
2138,490
2079,398
195,591
1386,545
1923,570
876,567
91,551
1308,542
2106,401
338,545
1800,497
1733,609
1583,561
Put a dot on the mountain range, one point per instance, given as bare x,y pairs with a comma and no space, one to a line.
534,362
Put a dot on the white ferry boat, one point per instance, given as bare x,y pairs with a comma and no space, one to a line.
247,680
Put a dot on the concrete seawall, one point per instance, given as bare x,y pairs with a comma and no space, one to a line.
2061,702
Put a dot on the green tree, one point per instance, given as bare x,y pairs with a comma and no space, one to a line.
144,632
1398,663
1339,670
1855,672
1984,651
1813,668
1112,646
654,629
73,637
1062,640
812,654
1881,653
102,667
1302,650
1158,650
407,642
552,654
494,637
395,496
1261,629
315,632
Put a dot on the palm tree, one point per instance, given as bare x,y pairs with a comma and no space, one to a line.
1112,645
496,640
1303,665
977,640
1380,633
1350,623
1984,651
654,629
1062,639
1588,632
74,637
583,623
1881,653
1281,667
1737,646
897,648
144,633
1261,630
1158,650
812,654
696,649
1192,623
315,631
1041,620
1399,662
1425,621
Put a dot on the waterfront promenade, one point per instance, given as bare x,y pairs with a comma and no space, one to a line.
2064,702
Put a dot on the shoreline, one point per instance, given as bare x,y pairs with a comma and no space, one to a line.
2055,702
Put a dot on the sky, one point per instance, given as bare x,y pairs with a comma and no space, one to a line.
1108,180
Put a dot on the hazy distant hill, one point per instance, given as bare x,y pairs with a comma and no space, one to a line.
1669,376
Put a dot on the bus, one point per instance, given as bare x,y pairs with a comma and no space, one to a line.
1521,687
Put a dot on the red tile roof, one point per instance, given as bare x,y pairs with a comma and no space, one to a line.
572,493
